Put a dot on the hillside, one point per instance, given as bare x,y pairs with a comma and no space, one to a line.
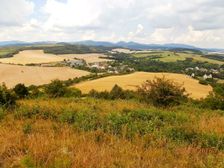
70,132
131,82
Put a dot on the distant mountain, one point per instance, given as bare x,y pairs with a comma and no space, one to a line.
22,43
122,44
11,43
135,46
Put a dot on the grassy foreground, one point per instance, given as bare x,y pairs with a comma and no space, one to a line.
69,132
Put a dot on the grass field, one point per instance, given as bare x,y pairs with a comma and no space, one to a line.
168,56
130,81
7,50
38,56
31,75
74,133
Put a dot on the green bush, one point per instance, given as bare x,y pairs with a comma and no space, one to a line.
73,92
162,92
21,90
203,82
116,93
7,98
55,89
215,100
34,91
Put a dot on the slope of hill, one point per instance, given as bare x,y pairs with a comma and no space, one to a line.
69,132
131,82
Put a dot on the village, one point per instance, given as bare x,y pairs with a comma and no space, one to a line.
98,67
205,73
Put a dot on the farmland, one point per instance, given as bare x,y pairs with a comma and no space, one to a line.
132,80
32,75
38,57
169,56
89,58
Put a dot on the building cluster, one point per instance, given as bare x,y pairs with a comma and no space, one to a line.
203,72
106,67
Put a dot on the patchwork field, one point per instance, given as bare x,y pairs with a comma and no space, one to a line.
38,56
89,58
30,75
130,81
168,56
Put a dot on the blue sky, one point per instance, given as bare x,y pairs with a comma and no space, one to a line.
196,22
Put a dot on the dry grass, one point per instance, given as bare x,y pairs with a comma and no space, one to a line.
56,144
214,124
38,57
31,75
89,58
52,145
130,81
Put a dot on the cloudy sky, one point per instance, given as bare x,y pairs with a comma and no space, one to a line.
196,22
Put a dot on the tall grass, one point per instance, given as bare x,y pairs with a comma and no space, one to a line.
67,132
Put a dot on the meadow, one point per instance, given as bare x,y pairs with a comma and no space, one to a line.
131,81
170,56
73,132
34,75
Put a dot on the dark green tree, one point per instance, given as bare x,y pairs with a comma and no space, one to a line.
21,90
55,89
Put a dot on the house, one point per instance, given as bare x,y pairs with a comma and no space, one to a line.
197,68
76,62
207,76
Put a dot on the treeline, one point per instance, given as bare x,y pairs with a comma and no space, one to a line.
159,92
71,49
215,57
151,65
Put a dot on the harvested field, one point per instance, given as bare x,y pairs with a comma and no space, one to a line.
31,75
38,57
89,58
130,81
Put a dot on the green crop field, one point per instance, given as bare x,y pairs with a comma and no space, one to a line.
169,56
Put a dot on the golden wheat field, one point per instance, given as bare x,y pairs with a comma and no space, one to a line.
38,57
89,58
31,75
130,81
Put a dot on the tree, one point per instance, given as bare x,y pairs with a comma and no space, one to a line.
162,92
21,90
117,92
6,97
55,89
215,100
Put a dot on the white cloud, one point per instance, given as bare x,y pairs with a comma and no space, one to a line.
198,22
15,12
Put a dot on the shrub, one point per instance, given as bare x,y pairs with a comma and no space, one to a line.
96,94
215,100
162,92
21,90
34,91
55,89
6,97
73,92
203,82
116,93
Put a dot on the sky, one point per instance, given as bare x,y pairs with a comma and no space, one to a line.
194,22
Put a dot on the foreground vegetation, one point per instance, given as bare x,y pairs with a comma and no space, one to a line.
157,126
71,132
